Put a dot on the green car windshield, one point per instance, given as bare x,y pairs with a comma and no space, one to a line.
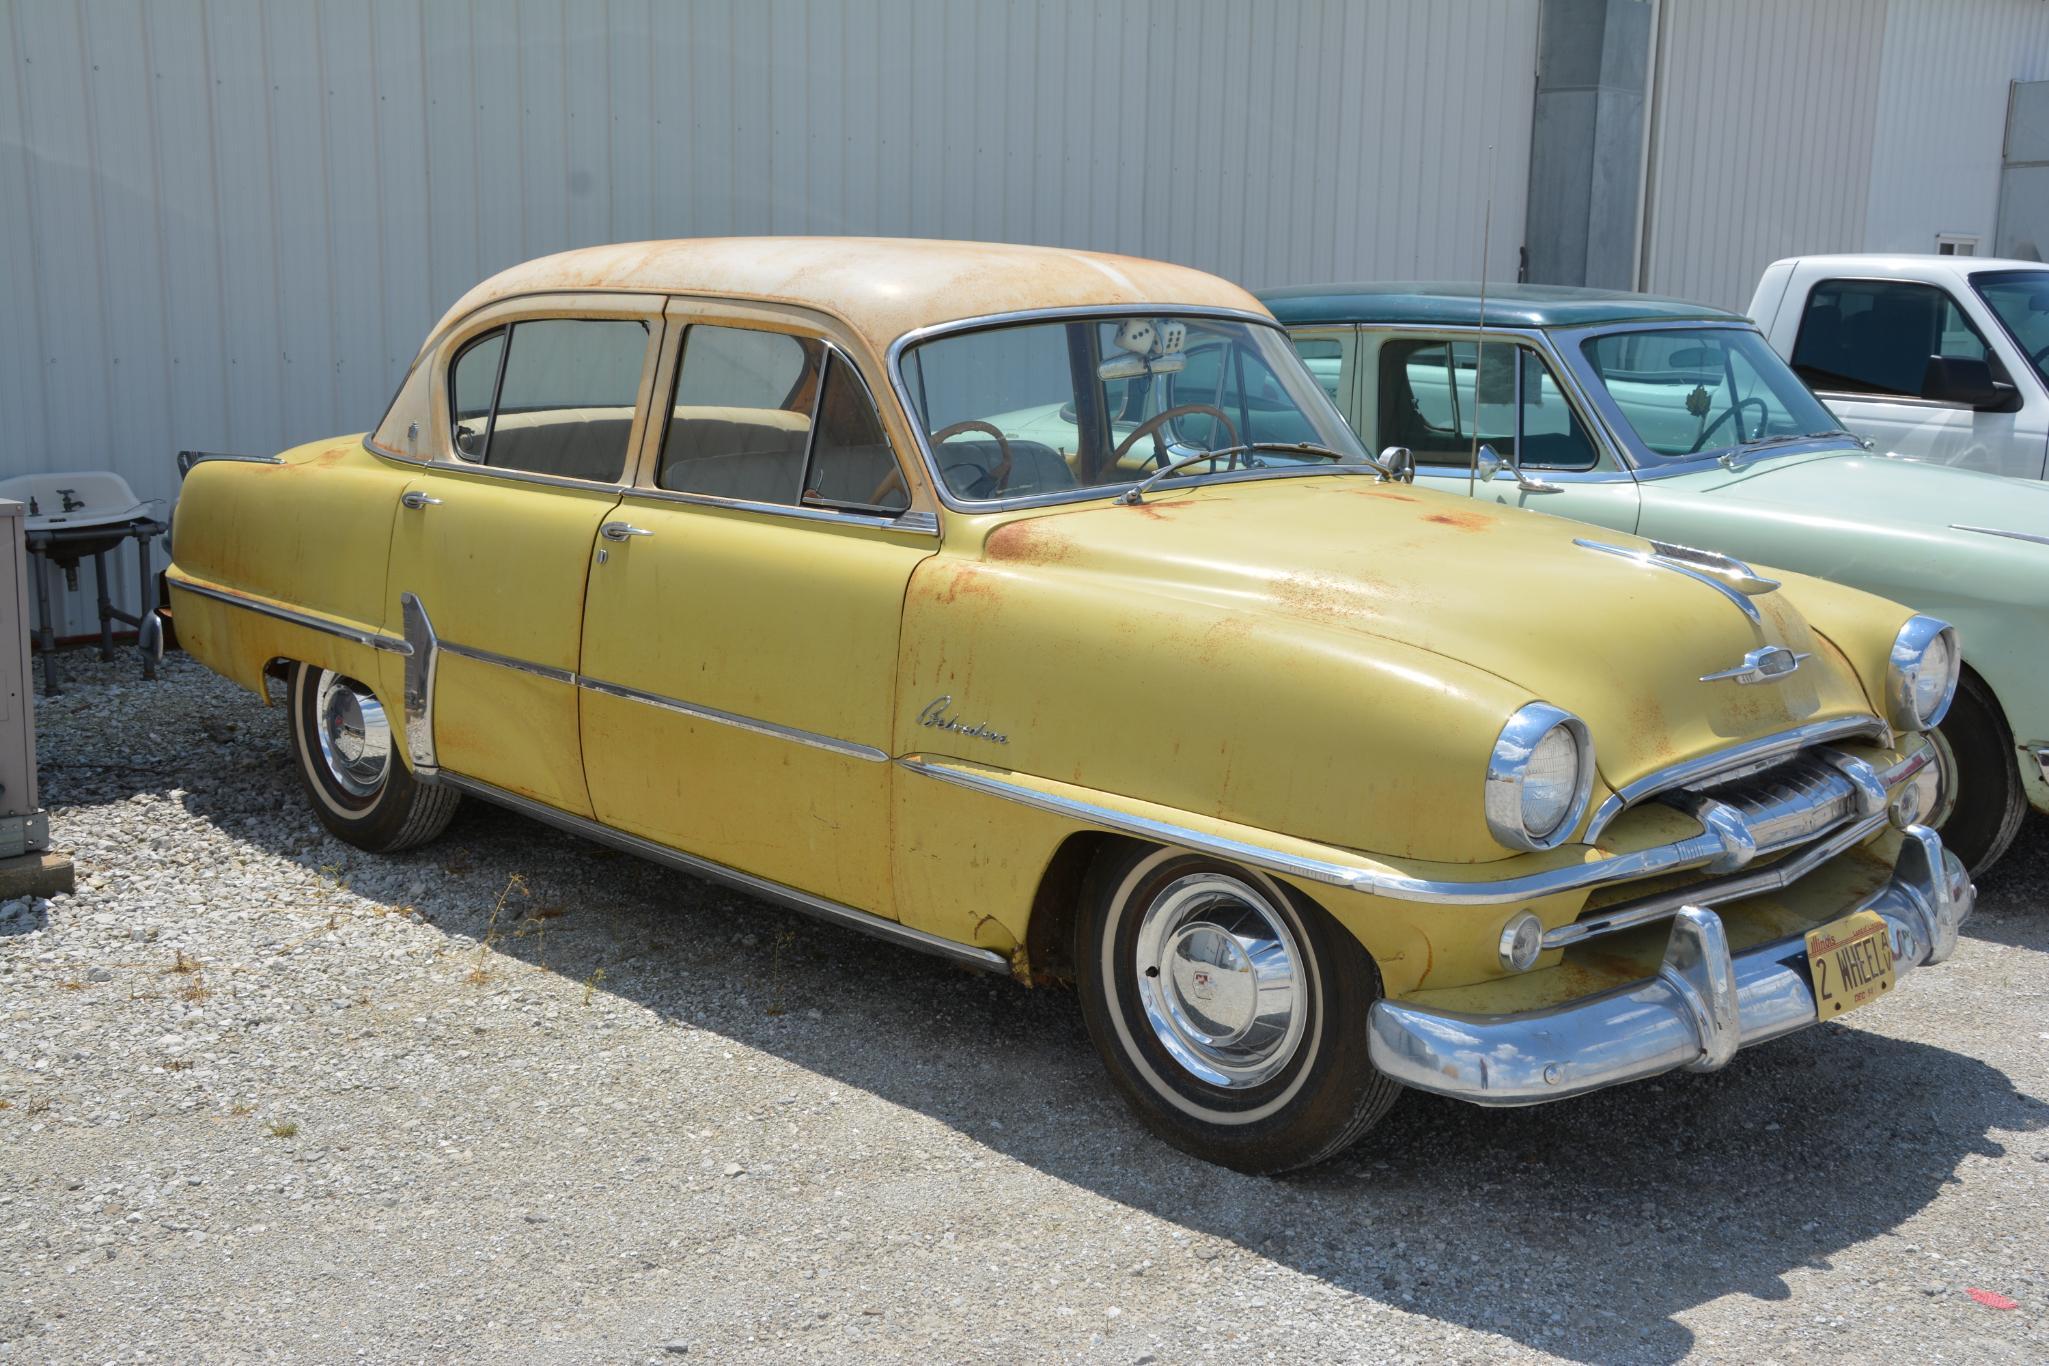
2021,300
1689,392
1051,407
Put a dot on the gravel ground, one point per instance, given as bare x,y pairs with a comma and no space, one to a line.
262,1095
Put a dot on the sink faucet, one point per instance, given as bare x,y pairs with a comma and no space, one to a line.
71,502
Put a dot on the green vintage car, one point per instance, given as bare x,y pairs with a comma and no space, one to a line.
1680,424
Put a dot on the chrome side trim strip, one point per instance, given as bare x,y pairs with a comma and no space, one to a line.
988,960
188,459
376,640
847,748
1732,762
1995,531
525,666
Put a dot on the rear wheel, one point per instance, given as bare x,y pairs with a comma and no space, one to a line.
1230,1012
349,765
1989,803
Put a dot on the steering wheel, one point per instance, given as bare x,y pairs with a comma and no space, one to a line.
1151,426
987,483
1735,410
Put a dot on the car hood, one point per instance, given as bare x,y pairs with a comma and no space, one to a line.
1622,643
1857,486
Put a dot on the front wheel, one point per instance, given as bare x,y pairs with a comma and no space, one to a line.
349,765
1229,1011
1989,800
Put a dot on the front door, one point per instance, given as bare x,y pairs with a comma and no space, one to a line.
1443,396
740,637
493,543
1864,347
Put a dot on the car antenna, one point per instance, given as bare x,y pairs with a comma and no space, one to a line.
1480,342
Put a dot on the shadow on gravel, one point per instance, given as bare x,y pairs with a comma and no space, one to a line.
1581,1228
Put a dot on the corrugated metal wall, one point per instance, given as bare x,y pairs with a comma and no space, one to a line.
1830,125
1761,144
226,224
1942,116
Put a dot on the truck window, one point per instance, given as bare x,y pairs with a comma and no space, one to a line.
1876,336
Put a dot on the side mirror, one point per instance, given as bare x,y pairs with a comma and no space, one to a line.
1487,463
1400,464
1963,380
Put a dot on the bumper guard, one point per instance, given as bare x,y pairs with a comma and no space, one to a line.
1704,1004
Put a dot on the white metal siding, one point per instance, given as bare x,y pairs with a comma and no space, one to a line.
226,224
1942,116
1762,141
1826,126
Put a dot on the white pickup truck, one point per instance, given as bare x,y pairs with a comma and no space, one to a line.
1936,358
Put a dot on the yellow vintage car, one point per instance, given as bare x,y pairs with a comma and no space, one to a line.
1036,609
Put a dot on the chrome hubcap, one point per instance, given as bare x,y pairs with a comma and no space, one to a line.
1217,977
355,737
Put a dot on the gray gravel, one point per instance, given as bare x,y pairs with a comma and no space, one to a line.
266,1096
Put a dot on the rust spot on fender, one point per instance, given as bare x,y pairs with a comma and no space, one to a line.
1463,521
1327,595
964,580
1032,541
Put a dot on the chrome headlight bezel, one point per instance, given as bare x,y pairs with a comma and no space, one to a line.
1509,764
1909,653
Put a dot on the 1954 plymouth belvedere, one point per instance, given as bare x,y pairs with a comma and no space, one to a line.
768,560
1679,422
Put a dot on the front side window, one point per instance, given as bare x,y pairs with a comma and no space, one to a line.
2020,300
1700,391
768,417
1040,408
550,396
1442,399
1877,336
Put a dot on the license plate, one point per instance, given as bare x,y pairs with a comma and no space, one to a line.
1850,962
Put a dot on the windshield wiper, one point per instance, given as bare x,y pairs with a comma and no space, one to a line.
1730,459
1136,493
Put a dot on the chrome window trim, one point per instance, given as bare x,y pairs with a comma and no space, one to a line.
360,635
850,917
493,472
1694,851
1569,384
893,362
2028,536
1733,762
1569,343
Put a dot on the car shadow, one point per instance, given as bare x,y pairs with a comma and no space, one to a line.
1585,1228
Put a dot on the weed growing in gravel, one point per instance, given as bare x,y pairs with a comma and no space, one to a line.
180,963
281,1128
241,1111
591,984
479,974
785,939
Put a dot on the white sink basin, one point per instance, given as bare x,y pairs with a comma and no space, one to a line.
77,498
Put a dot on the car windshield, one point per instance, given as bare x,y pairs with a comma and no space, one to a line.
2021,300
1689,392
1044,408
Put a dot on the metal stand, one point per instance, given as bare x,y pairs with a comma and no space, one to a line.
48,550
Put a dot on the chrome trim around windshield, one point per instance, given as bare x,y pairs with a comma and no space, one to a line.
2029,536
1734,762
850,917
902,390
376,640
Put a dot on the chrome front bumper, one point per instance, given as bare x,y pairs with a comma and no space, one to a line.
1703,1004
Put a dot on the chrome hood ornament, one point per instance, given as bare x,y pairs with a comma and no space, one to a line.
1726,574
1765,664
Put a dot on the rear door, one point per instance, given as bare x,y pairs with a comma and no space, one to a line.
493,542
740,640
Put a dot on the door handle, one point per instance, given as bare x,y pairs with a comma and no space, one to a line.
620,531
416,500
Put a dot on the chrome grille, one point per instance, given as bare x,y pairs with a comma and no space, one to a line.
1788,804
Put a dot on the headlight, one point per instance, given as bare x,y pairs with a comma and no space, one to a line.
1923,674
1539,778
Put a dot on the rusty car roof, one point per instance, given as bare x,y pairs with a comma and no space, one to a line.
880,287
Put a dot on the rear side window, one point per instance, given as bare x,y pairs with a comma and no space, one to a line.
551,396
1877,336
767,417
1441,398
